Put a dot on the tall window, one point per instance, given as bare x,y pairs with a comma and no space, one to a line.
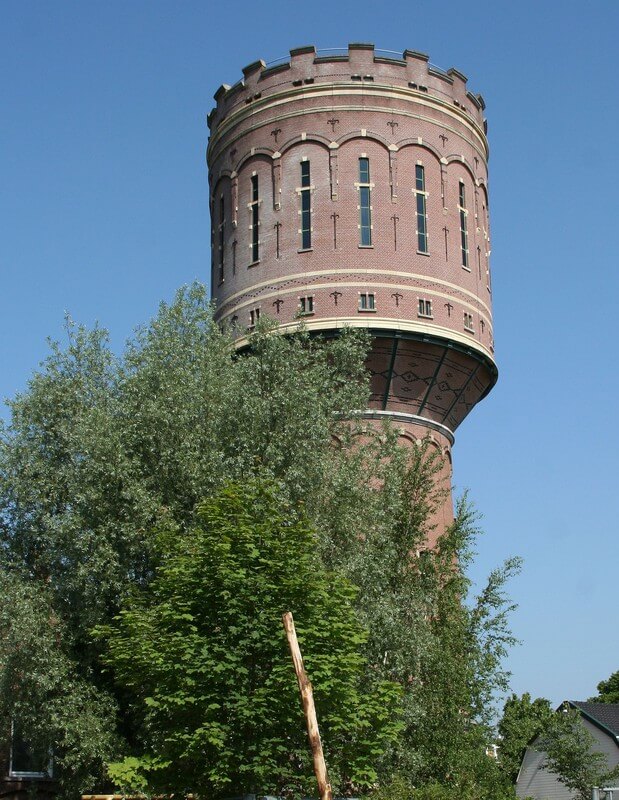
422,218
306,207
306,305
222,236
212,245
464,236
365,209
255,219
254,316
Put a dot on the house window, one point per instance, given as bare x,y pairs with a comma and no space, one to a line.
422,217
306,206
468,322
365,208
367,301
424,308
222,235
255,220
306,305
254,316
25,761
464,236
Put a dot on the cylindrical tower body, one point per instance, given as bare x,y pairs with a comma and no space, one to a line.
350,189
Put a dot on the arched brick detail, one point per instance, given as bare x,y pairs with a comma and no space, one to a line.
368,135
464,164
311,138
265,153
423,145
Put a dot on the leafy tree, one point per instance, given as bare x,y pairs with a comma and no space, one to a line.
608,690
446,653
100,448
204,652
41,692
103,450
571,755
461,671
493,788
522,720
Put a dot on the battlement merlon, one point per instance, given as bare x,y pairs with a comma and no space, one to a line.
360,63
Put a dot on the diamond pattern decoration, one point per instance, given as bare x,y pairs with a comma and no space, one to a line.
428,379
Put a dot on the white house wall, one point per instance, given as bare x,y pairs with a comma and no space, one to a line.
537,782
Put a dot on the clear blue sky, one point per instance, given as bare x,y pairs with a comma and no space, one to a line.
103,213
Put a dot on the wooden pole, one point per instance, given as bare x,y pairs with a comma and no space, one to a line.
309,709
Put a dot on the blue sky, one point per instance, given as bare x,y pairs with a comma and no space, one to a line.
103,209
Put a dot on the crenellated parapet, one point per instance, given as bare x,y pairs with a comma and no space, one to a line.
360,64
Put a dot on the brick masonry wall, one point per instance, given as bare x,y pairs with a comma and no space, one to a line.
332,111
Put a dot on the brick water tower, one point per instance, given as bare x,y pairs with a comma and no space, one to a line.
349,188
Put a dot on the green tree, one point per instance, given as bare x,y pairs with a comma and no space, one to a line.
522,720
102,450
42,693
444,645
461,670
204,651
571,755
608,690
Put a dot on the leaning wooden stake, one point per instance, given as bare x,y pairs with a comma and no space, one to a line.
307,697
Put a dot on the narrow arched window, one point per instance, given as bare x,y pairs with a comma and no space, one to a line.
254,206
221,236
365,207
422,216
306,206
464,235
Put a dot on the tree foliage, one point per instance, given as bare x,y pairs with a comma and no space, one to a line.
42,692
102,451
101,448
204,651
608,690
444,645
523,719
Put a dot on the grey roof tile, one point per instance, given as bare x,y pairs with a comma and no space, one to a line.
606,714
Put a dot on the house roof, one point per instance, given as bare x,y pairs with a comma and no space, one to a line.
604,715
